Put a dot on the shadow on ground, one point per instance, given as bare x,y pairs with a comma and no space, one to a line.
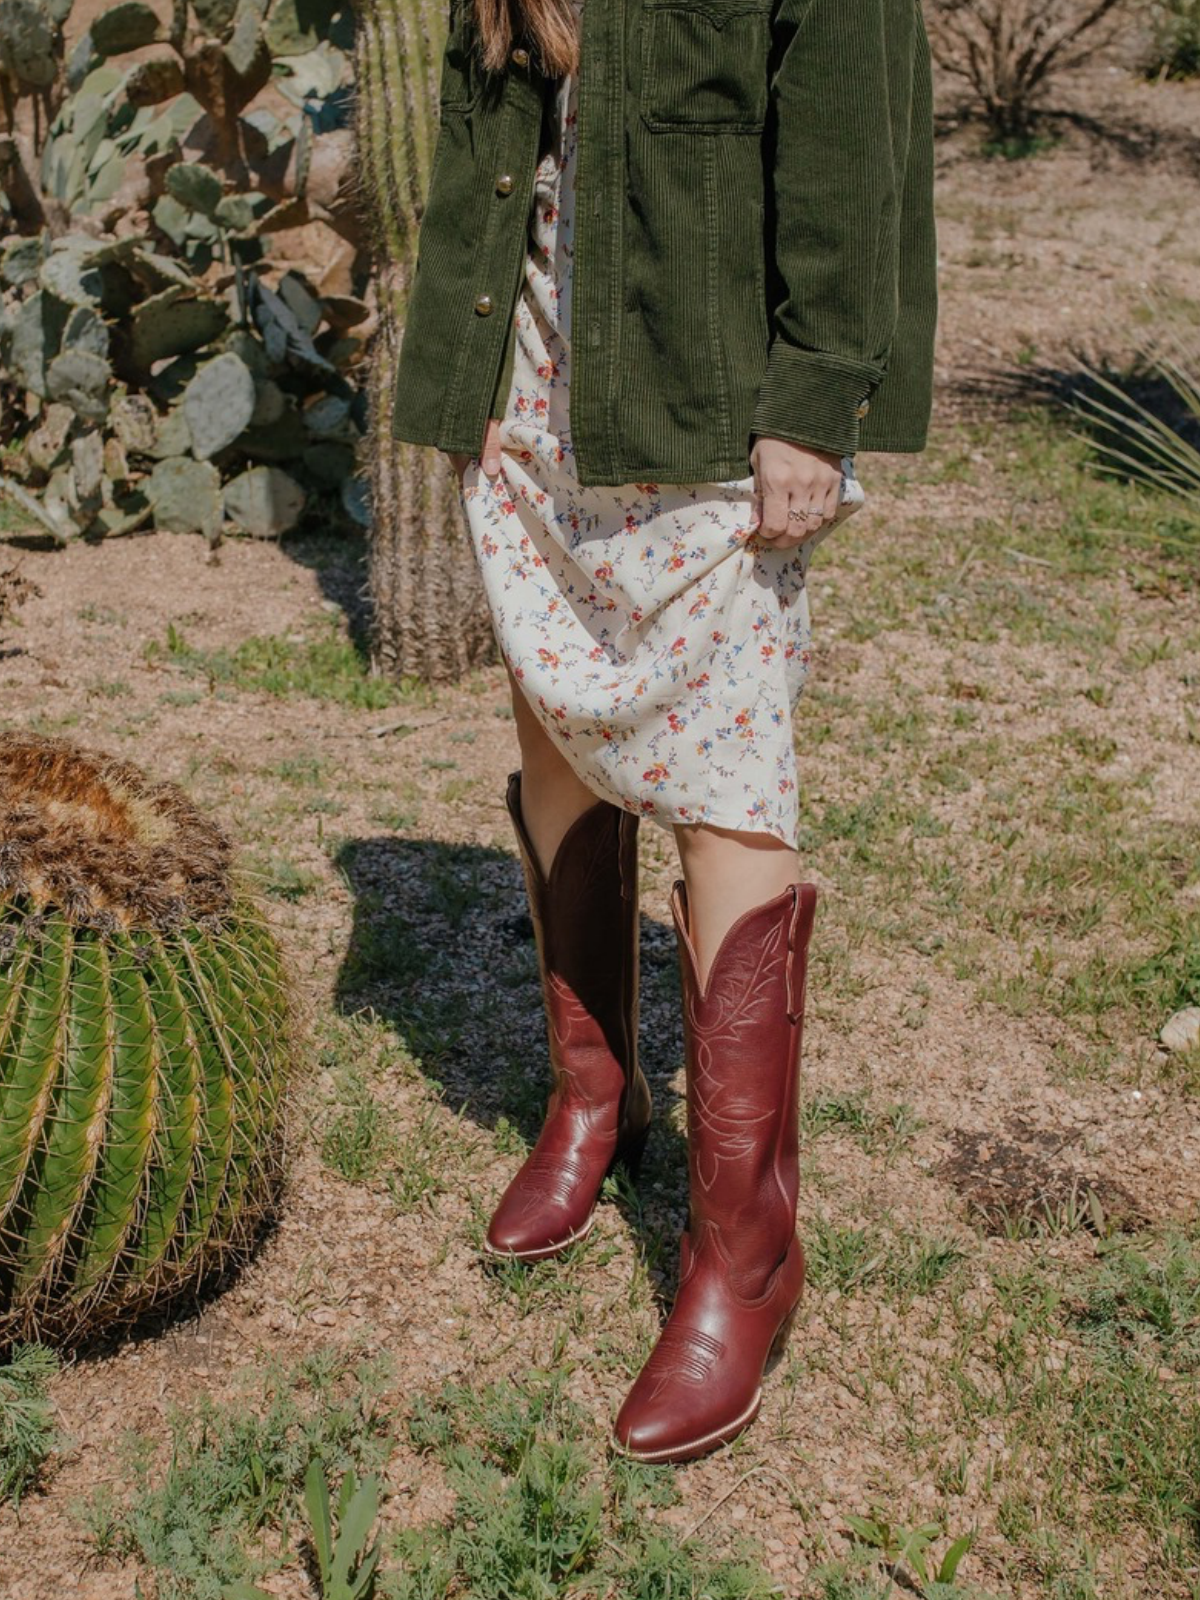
442,948
1135,421
1115,137
339,565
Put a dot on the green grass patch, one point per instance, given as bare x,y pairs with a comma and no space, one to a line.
1091,1374
1015,578
886,1131
302,771
537,1515
325,666
27,1432
1096,869
903,1266
1143,1302
363,1139
359,1141
223,1506
282,879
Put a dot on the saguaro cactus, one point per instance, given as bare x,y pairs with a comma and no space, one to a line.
430,615
144,1043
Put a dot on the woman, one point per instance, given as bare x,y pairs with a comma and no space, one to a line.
676,267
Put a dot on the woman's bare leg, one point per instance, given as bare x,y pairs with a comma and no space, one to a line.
551,794
728,873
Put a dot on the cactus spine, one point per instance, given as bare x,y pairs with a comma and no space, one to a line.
430,616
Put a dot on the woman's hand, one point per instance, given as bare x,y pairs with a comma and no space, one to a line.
793,477
489,456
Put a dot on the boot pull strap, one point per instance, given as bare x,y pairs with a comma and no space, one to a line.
792,1011
795,1001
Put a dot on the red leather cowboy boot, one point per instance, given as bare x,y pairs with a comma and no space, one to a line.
741,1264
585,918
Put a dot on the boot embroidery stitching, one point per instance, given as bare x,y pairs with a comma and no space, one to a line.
682,1355
570,1012
547,1178
746,996
572,1027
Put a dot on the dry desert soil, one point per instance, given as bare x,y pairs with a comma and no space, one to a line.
999,750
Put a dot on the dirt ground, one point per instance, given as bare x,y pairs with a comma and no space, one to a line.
963,663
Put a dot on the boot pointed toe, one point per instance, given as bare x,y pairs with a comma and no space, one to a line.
664,1430
523,1237
510,1240
548,1206
645,1432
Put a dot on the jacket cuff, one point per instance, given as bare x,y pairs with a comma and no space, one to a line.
813,398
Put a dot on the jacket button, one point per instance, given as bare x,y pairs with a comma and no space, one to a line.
520,57
485,305
504,183
863,408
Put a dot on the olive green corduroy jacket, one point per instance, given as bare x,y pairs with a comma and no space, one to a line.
755,249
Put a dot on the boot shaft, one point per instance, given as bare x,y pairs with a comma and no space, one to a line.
742,1035
585,919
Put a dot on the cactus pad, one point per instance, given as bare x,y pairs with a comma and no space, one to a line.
218,404
127,26
196,186
27,43
144,1028
265,501
174,322
79,379
215,16
186,496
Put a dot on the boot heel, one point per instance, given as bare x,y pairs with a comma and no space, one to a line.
630,1150
784,1333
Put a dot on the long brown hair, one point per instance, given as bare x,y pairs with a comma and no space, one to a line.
550,25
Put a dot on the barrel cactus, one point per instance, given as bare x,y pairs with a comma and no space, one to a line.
144,1043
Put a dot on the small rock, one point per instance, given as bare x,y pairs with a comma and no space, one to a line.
1182,1031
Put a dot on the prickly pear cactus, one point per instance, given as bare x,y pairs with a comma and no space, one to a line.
151,284
144,1043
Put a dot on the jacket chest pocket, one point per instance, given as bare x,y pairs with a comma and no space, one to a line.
460,70
704,67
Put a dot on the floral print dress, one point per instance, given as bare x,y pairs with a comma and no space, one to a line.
663,648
